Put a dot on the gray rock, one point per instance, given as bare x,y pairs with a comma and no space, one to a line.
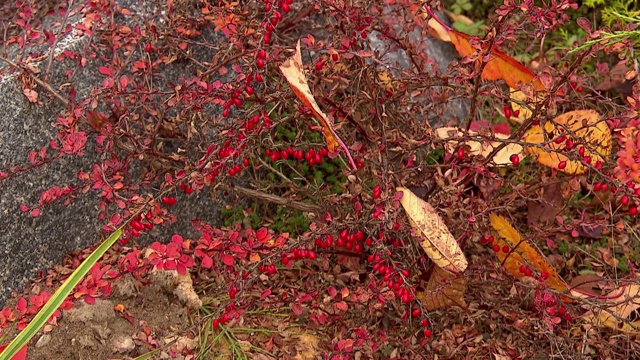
29,244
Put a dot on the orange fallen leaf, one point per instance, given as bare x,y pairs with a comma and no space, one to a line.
438,244
499,65
443,290
582,127
294,73
521,253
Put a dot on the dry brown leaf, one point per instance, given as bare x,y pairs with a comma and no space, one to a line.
443,290
588,129
545,209
308,346
618,313
454,136
293,71
521,253
441,247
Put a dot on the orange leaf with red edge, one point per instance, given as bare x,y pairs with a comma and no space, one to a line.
521,253
294,73
499,65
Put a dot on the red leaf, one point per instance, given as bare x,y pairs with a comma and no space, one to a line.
104,70
265,294
207,262
228,260
20,355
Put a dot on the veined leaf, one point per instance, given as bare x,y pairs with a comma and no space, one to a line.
443,290
590,131
441,247
615,313
521,253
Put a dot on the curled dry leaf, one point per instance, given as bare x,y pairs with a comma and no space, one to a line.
441,247
521,253
294,73
443,290
499,65
619,312
454,137
583,127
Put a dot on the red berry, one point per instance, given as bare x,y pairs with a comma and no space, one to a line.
425,323
259,78
148,48
544,275
319,65
427,333
249,90
505,249
460,153
516,113
334,57
507,111
490,240
624,200
260,63
496,248
416,312
633,211
515,159
562,165
285,7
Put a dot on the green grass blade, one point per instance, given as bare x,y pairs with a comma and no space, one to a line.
58,297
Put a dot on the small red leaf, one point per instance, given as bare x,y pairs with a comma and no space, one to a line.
207,262
228,260
104,70
265,294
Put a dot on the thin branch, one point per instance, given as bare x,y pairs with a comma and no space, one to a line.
45,85
278,200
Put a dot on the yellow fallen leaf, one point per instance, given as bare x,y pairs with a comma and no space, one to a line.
454,137
615,313
443,290
441,247
521,253
589,130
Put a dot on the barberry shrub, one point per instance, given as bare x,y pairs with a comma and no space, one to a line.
357,269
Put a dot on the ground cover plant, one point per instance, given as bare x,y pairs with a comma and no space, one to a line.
372,222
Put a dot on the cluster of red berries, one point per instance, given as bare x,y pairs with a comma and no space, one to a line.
274,19
138,225
312,157
350,241
393,277
233,101
186,188
253,124
297,254
268,269
225,318
168,200
624,200
548,301
508,113
495,247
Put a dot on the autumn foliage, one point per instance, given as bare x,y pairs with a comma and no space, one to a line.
420,228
